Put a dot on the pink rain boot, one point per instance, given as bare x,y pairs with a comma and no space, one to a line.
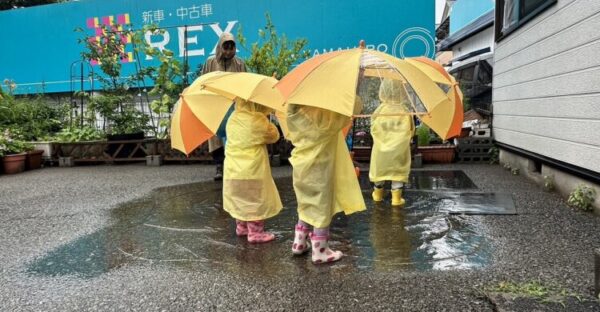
300,245
257,234
241,228
321,253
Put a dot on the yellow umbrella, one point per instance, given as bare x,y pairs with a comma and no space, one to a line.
187,130
247,86
205,103
197,116
447,117
333,81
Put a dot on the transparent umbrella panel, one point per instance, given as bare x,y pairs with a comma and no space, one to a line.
380,82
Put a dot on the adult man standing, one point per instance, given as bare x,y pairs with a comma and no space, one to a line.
223,60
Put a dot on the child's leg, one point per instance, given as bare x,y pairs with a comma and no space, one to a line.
321,253
241,228
257,234
397,185
397,199
300,244
378,191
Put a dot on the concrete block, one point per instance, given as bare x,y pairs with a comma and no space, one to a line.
417,161
65,162
482,133
154,160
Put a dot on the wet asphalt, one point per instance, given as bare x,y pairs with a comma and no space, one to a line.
43,212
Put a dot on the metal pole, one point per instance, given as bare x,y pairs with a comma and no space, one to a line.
81,77
185,56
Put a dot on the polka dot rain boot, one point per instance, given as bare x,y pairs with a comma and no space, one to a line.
300,245
321,253
241,228
257,234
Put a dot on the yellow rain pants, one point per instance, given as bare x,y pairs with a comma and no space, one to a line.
390,155
324,178
249,192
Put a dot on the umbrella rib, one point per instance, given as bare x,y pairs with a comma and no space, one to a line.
334,54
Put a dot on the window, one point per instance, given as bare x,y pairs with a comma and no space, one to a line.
512,14
467,74
485,73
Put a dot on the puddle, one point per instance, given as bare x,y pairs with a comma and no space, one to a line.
185,226
429,180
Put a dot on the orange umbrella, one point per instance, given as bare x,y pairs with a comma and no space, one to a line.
187,131
204,105
338,80
333,81
438,118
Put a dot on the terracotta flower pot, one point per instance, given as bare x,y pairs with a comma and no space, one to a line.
440,154
14,163
34,159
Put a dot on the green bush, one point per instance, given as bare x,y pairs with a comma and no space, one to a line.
168,77
273,53
423,134
582,197
549,182
494,153
115,104
78,134
11,145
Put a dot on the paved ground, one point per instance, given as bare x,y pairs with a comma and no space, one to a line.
548,242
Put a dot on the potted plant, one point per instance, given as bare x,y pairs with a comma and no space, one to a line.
433,153
33,159
80,143
13,153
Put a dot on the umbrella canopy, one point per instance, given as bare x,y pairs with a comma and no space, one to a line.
188,131
248,86
349,81
205,103
438,117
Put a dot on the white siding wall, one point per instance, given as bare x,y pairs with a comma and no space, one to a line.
482,40
547,85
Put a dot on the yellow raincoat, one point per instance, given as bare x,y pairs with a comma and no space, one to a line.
249,192
324,178
390,155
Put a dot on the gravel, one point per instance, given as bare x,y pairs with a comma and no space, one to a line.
43,209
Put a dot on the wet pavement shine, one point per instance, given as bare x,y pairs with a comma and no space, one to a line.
185,226
134,238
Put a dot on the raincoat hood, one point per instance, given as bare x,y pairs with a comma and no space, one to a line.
222,39
392,91
247,106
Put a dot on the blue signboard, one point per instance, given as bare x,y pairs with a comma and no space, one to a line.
39,44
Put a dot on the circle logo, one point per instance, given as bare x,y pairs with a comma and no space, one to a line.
419,35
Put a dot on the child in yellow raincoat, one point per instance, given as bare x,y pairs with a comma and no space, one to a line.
249,192
392,132
324,178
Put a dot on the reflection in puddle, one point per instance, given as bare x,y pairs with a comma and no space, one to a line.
185,226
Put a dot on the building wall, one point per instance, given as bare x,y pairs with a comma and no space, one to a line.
546,86
480,41
465,11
